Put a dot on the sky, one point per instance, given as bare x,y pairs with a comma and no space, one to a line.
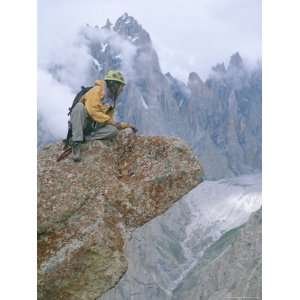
189,36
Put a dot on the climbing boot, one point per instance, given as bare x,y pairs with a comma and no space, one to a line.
76,151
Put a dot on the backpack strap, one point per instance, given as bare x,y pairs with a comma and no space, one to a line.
77,98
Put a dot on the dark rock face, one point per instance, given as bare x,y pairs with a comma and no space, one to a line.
129,28
226,109
87,210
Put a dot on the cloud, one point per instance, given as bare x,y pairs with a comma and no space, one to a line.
63,66
198,33
54,99
126,50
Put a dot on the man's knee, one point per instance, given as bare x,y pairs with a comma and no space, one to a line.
113,131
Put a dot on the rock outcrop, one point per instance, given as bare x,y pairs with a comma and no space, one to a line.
87,210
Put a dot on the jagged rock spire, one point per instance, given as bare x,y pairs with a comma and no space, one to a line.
128,27
236,61
194,79
219,68
195,83
107,25
168,74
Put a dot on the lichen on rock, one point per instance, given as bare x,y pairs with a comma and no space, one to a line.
86,210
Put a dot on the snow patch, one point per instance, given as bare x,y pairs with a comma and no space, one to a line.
124,17
97,65
228,202
104,47
133,39
144,103
119,56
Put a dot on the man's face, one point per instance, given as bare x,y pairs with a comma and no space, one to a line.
120,89
116,89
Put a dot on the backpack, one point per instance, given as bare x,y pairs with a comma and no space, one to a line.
77,98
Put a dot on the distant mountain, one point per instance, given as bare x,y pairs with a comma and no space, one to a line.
230,268
224,117
220,118
198,247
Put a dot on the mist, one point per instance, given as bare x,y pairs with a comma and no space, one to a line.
189,36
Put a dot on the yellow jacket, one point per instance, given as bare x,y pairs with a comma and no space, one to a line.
92,100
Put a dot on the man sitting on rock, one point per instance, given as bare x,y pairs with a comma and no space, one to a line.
92,116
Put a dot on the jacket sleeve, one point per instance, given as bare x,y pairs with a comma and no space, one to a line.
96,110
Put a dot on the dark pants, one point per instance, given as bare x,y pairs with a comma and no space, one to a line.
81,124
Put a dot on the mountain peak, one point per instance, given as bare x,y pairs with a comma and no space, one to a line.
194,78
169,76
128,27
125,15
219,68
107,25
236,61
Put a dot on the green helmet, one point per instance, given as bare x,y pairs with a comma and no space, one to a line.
115,76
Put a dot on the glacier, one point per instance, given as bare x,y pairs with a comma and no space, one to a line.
163,252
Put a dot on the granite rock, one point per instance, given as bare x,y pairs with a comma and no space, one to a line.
87,210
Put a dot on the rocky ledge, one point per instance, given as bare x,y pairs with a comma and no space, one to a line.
87,210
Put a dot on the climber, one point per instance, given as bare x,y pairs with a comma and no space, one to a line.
92,117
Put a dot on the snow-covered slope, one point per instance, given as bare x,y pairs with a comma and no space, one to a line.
224,204
164,251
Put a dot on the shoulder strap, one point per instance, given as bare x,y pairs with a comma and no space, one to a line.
78,97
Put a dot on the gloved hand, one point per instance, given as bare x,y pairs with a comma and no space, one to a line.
133,128
124,125
109,108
